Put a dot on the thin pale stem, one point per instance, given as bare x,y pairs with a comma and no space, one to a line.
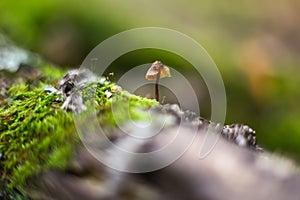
156,85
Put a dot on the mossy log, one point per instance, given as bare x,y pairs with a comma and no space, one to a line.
42,156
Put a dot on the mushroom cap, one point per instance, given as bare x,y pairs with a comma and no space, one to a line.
154,69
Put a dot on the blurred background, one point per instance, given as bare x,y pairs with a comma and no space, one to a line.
255,44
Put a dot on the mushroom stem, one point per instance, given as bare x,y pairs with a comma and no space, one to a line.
156,84
156,72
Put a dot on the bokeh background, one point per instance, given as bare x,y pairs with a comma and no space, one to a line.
255,44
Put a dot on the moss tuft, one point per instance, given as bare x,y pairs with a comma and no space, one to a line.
125,106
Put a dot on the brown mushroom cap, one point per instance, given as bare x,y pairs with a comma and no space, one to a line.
154,70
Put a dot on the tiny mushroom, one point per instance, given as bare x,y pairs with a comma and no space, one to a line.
156,72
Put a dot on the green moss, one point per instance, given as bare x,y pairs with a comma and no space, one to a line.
125,106
37,135
33,131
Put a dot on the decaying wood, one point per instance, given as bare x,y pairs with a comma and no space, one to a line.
228,172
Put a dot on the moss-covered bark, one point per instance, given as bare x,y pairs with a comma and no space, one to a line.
38,141
38,135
